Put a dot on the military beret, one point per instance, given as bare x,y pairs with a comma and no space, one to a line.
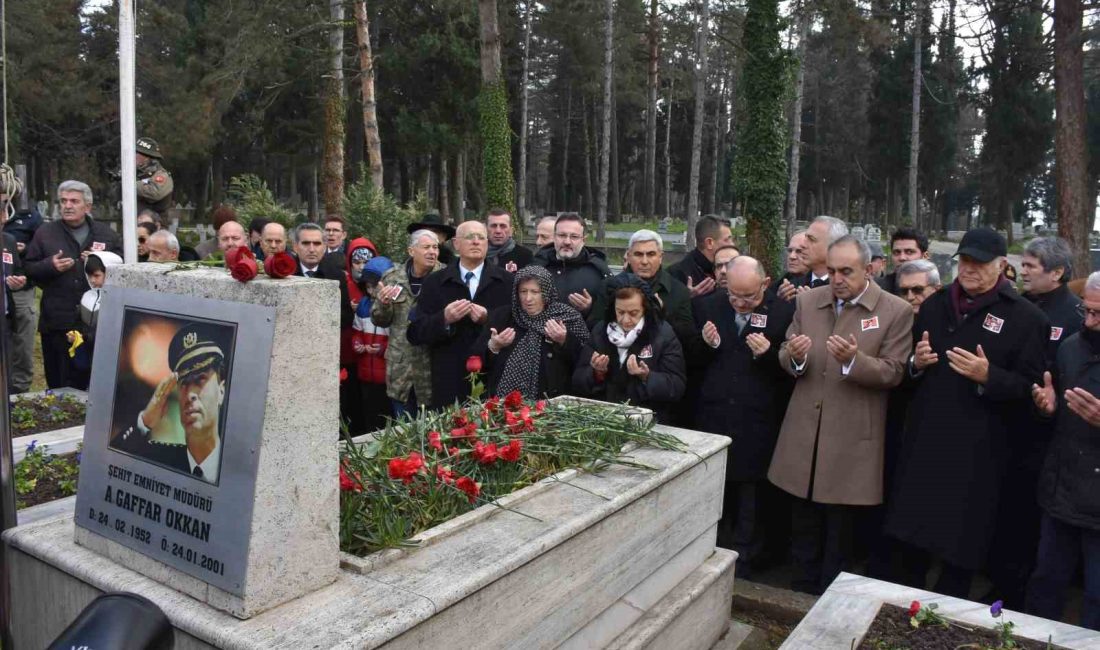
197,347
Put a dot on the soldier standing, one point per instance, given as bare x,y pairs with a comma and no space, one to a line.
154,183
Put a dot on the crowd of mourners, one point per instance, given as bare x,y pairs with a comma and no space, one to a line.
926,433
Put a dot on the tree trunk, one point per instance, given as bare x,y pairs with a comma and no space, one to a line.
710,196
445,191
650,171
521,184
496,133
605,148
332,184
668,156
366,78
698,119
796,120
914,129
1075,214
588,207
616,207
564,205
458,185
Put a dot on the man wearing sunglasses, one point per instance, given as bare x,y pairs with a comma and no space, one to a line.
916,281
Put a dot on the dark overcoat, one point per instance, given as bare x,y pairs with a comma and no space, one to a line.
741,396
959,434
556,362
658,347
451,345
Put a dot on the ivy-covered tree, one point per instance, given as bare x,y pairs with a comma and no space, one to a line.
760,169
496,133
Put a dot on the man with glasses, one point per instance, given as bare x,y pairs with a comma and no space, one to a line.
743,395
578,270
453,307
916,281
335,234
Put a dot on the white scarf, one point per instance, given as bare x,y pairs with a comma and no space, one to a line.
623,340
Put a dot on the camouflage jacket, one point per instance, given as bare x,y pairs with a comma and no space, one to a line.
407,366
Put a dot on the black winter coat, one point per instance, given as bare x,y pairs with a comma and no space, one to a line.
675,304
555,370
1069,485
13,265
889,283
661,352
959,435
61,292
450,345
585,271
1060,306
695,265
520,255
742,397
331,267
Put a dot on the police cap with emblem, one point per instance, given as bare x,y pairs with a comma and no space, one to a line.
197,347
148,146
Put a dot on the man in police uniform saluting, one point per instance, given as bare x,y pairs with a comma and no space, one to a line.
154,183
198,374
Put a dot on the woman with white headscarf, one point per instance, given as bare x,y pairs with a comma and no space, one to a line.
531,345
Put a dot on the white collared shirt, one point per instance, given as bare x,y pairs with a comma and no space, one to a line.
210,464
306,269
474,281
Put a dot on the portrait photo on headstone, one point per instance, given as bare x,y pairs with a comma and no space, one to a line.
172,391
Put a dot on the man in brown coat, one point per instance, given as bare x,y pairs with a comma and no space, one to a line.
847,347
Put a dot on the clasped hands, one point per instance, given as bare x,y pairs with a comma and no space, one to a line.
554,330
972,365
463,308
843,349
1079,400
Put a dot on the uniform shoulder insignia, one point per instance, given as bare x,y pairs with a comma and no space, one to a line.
159,178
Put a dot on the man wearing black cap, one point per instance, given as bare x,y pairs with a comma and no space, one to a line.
154,183
979,347
197,358
434,223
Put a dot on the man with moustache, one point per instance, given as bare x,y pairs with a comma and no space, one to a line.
578,270
453,307
504,251
743,395
644,256
979,347
196,356
846,347
408,366
54,260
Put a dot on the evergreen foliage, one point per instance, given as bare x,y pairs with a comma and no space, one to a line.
496,138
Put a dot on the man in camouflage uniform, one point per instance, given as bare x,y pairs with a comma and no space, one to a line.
154,183
408,366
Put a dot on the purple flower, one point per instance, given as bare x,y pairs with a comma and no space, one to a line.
995,608
78,457
30,447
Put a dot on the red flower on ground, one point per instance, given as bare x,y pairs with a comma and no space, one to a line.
484,416
540,406
914,608
461,419
241,263
349,484
513,400
515,425
444,474
453,451
493,404
404,469
280,265
469,486
511,451
434,441
473,364
486,454
467,433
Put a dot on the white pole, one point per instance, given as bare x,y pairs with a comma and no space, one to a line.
129,135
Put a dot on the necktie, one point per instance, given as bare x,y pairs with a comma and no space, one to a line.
197,471
469,276
310,274
840,306
815,283
742,320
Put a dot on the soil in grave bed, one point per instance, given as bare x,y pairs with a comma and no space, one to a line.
891,631
48,488
31,415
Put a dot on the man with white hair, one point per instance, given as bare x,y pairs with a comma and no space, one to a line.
55,261
916,281
163,247
823,231
644,255
1070,527
979,347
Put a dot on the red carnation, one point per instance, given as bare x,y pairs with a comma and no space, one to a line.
493,404
349,484
461,419
486,454
444,474
241,263
473,364
464,433
914,608
453,451
280,265
511,451
434,441
513,400
469,486
484,416
514,423
540,406
404,469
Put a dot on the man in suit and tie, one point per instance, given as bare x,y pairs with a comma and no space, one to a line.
196,356
821,234
847,346
743,394
454,305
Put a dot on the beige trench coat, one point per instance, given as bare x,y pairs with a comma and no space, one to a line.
844,415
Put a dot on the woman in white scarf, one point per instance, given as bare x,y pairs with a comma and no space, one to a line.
634,355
